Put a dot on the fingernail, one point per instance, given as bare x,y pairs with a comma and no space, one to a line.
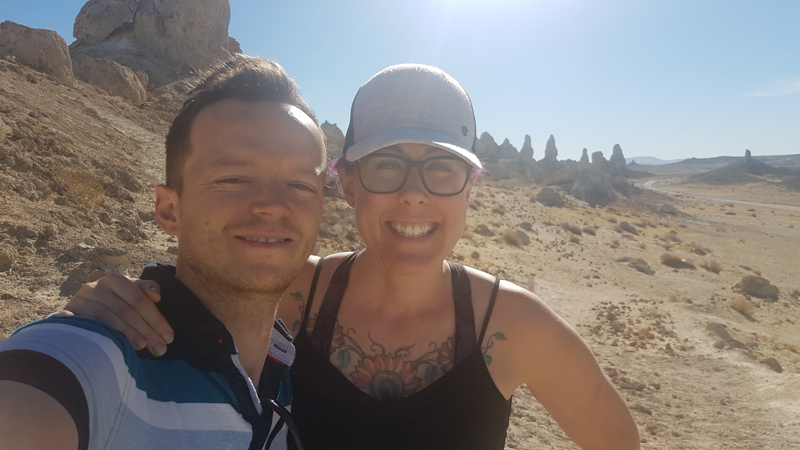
139,343
167,336
159,348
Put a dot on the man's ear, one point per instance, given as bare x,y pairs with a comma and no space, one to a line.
346,181
167,209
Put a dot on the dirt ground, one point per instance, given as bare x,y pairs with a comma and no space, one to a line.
701,365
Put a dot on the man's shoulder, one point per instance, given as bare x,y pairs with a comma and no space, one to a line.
67,336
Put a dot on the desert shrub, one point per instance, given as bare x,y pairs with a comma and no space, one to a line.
614,243
730,213
589,230
512,240
483,230
675,261
82,186
612,220
711,266
500,210
757,287
741,305
517,238
574,229
575,239
626,227
637,263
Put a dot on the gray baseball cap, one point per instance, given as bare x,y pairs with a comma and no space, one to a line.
411,103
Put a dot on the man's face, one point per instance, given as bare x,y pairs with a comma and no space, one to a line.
251,201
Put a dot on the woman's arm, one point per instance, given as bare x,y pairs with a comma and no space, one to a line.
543,351
127,305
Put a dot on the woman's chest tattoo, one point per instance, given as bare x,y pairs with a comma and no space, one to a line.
388,374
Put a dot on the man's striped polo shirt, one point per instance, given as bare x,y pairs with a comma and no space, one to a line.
196,396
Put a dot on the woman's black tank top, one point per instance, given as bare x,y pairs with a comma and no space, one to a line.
461,410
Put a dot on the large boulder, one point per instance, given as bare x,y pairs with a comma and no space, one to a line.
112,77
194,32
594,187
549,196
99,18
42,50
167,39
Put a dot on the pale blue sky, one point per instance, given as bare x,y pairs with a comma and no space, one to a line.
664,78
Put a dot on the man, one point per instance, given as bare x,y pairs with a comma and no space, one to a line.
245,169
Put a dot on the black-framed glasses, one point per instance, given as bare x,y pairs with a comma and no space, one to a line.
382,173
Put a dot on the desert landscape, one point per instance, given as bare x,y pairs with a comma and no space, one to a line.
686,288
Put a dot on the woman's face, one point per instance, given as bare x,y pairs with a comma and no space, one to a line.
409,228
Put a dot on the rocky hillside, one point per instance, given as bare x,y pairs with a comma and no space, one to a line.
690,304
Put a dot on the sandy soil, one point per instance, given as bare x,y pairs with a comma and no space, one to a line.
700,365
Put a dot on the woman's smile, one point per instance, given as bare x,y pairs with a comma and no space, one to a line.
412,230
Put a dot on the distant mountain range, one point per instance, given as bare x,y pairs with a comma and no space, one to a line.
650,161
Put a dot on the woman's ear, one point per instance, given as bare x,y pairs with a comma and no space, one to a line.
346,181
167,209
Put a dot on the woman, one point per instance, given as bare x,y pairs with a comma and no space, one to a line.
419,352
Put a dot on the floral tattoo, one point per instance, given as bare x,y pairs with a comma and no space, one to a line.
388,375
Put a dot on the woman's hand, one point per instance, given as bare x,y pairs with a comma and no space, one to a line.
127,305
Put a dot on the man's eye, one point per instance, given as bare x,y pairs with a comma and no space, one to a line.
231,181
303,187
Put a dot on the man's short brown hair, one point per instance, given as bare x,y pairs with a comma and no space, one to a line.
242,77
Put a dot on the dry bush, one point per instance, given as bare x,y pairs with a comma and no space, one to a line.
741,305
500,210
644,223
575,239
730,213
698,249
614,243
574,229
511,238
612,220
589,230
675,261
82,186
643,246
711,266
